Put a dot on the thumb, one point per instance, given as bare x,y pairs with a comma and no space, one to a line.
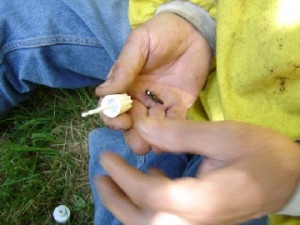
211,139
128,65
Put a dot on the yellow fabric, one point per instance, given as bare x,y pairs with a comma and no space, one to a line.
140,11
283,220
258,66
208,5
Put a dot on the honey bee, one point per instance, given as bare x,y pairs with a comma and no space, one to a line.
151,95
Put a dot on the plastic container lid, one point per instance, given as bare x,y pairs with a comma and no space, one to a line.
61,214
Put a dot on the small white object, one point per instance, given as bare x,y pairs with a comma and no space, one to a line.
61,214
112,105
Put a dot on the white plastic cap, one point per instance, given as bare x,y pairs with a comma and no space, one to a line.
112,105
61,214
115,105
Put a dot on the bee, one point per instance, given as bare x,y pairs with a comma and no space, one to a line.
151,95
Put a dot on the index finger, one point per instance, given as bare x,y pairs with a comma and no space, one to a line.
157,193
128,65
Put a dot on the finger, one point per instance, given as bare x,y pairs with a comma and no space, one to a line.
117,201
156,113
124,121
121,122
117,167
131,136
213,139
144,190
128,65
208,165
183,197
177,112
156,172
136,142
126,211
138,110
155,193
121,206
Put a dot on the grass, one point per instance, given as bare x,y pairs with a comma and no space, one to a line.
44,158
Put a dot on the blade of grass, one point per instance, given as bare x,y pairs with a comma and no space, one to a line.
21,148
18,181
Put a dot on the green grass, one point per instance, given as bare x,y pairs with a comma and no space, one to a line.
44,158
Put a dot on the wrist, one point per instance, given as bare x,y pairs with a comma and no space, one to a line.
197,16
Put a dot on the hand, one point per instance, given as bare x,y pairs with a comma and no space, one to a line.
166,55
249,171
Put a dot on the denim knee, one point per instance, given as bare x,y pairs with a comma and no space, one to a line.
63,43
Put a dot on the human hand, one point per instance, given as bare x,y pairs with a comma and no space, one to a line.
166,55
248,171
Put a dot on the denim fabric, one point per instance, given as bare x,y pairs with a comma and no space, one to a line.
103,139
174,166
57,43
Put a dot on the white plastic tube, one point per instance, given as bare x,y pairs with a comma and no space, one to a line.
112,105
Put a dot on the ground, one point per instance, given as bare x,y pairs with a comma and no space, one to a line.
44,157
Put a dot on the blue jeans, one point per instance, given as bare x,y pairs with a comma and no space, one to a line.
57,43
174,166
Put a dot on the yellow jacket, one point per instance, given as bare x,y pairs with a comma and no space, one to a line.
257,77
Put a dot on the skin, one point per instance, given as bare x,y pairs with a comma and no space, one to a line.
243,176
249,171
163,56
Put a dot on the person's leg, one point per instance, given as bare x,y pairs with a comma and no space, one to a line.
103,139
260,221
191,171
57,43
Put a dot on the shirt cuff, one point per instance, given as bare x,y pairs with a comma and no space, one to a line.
197,16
